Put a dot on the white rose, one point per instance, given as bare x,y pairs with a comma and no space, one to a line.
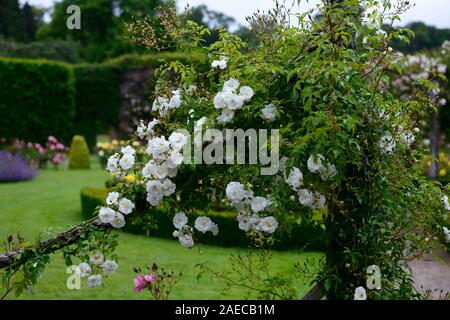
180,220
160,171
175,102
154,187
446,203
158,145
118,221
126,206
306,197
106,215
186,240
140,131
328,172
221,64
315,163
235,192
268,225
360,294
226,116
168,188
233,101
177,140
269,112
154,199
128,150
109,267
112,165
96,258
245,222
203,224
295,179
259,204
175,159
219,101
94,281
231,85
148,169
127,161
112,198
85,269
246,93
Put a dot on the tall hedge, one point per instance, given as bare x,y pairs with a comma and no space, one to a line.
37,99
97,100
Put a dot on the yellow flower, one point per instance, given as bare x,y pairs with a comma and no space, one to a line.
115,142
135,144
442,172
442,156
131,178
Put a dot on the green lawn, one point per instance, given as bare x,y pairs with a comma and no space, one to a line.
51,200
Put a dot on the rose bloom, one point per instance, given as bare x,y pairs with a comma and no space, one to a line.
143,281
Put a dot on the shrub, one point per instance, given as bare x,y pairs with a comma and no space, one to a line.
58,50
14,168
79,154
38,100
304,236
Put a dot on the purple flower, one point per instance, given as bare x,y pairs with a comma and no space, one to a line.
14,168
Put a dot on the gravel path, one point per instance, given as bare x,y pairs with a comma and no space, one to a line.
430,273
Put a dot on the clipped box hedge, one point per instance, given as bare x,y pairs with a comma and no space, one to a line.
302,236
37,99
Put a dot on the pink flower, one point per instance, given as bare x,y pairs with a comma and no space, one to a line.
52,139
143,281
57,158
60,146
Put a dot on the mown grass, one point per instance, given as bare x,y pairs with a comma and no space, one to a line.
51,202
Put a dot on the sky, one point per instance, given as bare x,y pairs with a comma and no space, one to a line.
432,12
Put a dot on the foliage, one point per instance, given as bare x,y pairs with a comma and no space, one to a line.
158,223
38,100
79,154
425,38
14,168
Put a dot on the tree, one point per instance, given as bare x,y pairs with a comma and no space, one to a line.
11,18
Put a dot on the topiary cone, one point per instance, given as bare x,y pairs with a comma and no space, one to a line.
79,154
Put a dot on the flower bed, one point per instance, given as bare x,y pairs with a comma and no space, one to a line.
14,168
